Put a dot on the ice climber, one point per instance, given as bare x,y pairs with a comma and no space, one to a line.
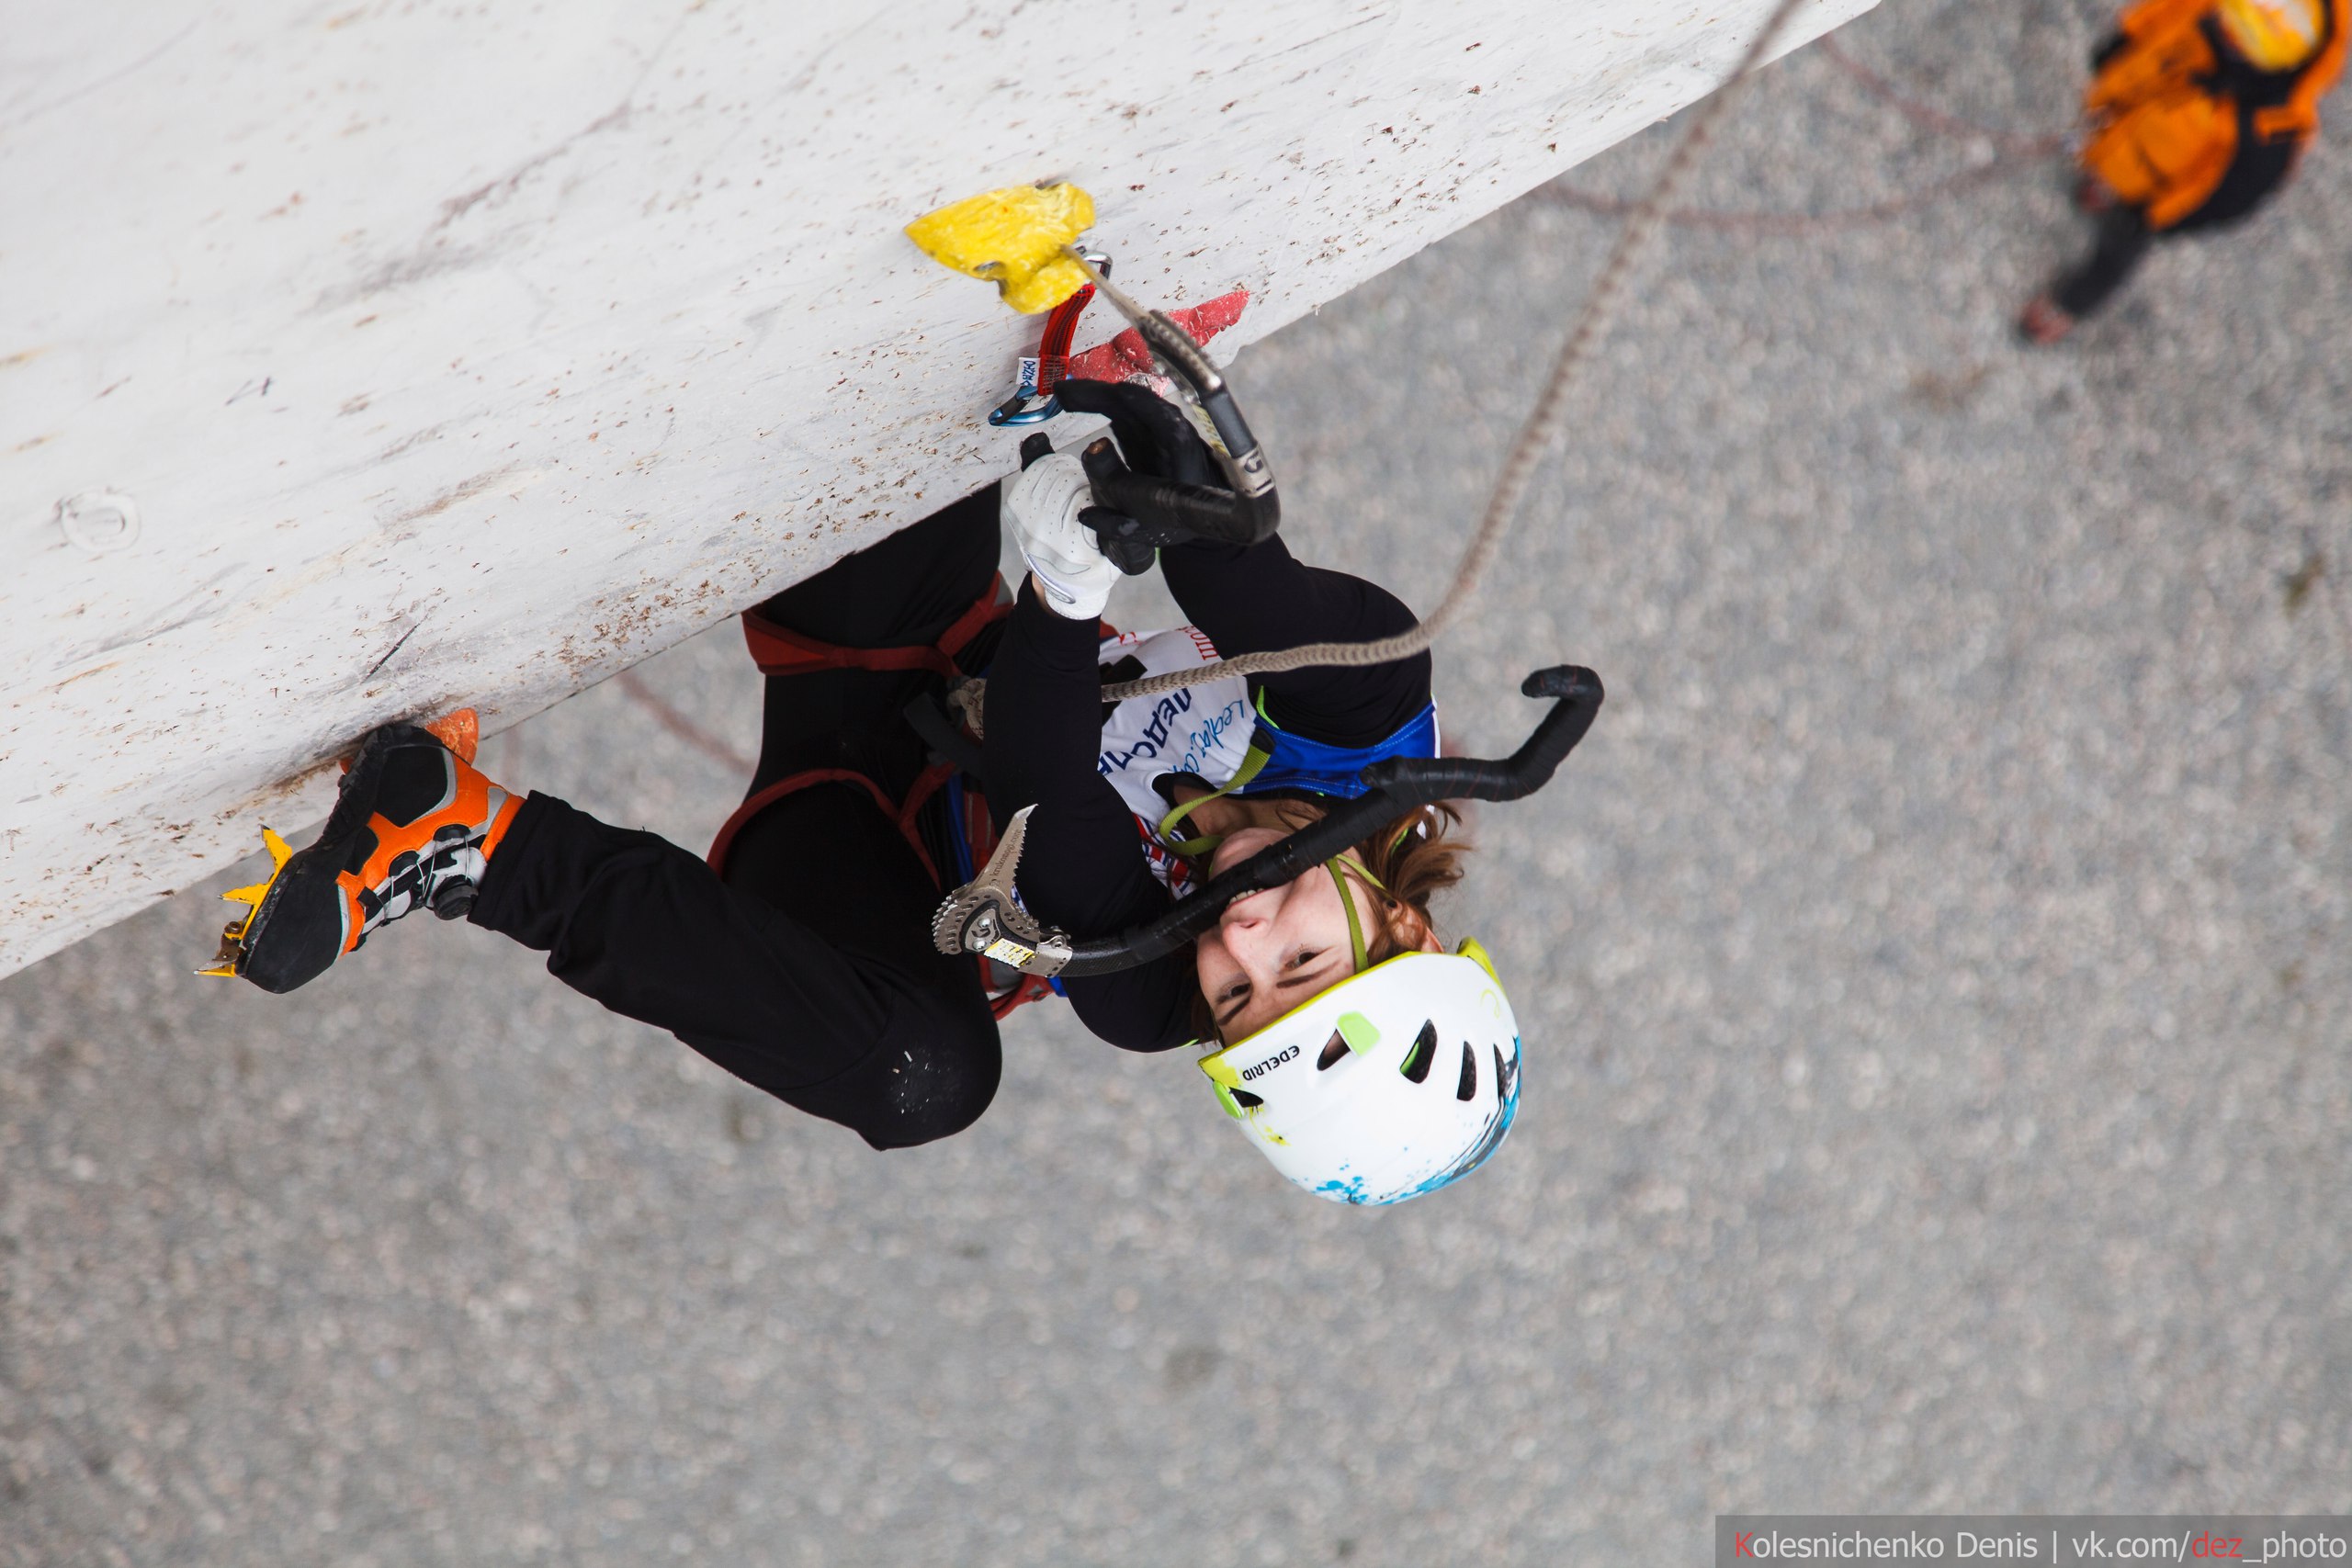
2196,114
1369,1063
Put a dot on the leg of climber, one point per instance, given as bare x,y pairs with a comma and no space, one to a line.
809,972
2124,239
828,855
827,1013
903,592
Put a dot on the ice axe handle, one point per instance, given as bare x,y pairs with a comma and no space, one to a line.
1578,696
1127,543
1178,352
1396,786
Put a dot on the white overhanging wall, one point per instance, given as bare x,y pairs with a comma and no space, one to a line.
365,359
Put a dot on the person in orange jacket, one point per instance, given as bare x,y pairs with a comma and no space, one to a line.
2196,114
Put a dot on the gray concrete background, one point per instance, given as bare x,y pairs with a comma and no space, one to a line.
1934,972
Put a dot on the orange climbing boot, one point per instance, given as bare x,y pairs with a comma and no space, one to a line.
414,827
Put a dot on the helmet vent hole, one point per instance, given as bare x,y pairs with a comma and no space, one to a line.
1248,1101
1417,1061
1335,1051
1469,1073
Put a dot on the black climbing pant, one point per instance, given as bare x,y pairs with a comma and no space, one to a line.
810,973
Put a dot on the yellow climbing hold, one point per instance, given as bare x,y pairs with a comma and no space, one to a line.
1012,238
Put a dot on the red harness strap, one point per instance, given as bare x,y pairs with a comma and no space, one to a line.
902,817
1027,989
1030,989
778,651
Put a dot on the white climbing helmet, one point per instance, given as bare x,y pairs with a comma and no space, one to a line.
1389,1085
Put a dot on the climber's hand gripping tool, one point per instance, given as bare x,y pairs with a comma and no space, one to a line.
1135,513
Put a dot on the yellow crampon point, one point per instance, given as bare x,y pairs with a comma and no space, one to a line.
232,938
459,730
1013,238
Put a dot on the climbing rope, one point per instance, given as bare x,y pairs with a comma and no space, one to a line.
1536,437
2011,151
1757,221
2014,144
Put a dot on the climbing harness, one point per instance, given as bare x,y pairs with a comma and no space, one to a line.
779,650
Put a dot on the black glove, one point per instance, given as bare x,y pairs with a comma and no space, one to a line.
1158,442
1153,434
1157,482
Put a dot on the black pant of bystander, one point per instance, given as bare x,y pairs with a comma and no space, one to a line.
2125,239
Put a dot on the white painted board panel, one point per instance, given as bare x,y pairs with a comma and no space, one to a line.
470,353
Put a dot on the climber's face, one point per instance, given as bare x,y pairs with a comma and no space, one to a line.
1272,950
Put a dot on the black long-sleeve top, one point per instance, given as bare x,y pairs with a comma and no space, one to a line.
1083,868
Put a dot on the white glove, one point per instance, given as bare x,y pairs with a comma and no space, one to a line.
1040,505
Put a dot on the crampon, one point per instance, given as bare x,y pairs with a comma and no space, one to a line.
414,826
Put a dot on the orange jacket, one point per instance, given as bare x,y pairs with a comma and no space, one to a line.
2162,129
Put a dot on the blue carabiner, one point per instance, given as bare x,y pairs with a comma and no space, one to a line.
1028,405
1012,412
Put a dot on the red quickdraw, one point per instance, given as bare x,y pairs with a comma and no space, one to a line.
1033,400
